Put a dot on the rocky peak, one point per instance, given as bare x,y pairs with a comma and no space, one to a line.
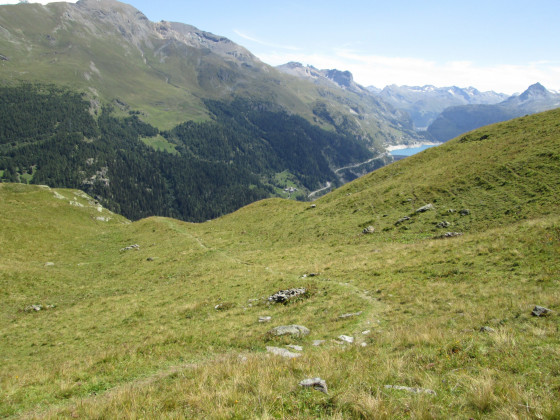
534,91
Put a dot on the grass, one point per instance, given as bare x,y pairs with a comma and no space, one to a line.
160,143
136,334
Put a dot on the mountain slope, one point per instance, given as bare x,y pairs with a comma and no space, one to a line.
165,69
170,327
460,119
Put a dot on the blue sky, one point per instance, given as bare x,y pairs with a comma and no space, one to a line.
490,44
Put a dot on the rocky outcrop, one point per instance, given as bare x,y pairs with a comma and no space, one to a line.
296,330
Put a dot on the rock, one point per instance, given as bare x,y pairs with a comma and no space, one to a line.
313,274
363,344
313,206
487,329
297,330
264,318
449,235
464,212
401,220
295,347
366,332
33,308
443,224
368,230
315,383
317,343
425,208
540,311
149,259
102,219
278,351
412,390
285,295
349,315
346,338
49,264
128,248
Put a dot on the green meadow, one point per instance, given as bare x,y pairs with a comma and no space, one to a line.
170,328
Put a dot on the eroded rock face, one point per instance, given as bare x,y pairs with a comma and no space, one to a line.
297,330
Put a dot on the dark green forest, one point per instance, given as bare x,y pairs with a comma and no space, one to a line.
51,135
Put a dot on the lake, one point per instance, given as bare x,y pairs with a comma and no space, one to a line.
409,151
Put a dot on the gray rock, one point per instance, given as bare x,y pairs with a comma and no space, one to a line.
49,264
284,295
315,383
295,347
412,390
346,338
317,343
464,212
425,208
540,311
33,308
449,235
264,318
443,224
401,220
487,329
297,330
368,230
128,248
278,351
313,206
349,315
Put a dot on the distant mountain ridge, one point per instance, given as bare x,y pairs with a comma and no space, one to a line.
456,120
425,103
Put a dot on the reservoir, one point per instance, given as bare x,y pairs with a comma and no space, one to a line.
409,151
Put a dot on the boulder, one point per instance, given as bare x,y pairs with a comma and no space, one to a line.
297,330
425,208
264,318
464,212
346,338
540,311
128,248
368,230
443,224
315,383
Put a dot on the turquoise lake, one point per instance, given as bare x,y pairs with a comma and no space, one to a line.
409,151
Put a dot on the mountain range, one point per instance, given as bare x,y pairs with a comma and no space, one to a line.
425,103
456,120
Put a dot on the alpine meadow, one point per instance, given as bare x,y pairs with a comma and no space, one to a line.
214,238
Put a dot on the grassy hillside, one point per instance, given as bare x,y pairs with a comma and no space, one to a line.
170,329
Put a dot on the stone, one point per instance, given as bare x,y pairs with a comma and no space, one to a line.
412,390
425,208
349,315
313,206
265,318
449,235
297,330
149,259
401,220
346,338
34,308
368,230
363,344
128,248
540,311
315,383
443,224
284,295
49,264
487,329
464,212
295,347
278,351
317,343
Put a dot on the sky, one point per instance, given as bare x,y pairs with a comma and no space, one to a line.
497,45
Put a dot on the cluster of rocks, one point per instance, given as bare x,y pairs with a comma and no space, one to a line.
128,248
283,296
37,308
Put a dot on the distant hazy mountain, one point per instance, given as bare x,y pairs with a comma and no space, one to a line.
425,103
456,120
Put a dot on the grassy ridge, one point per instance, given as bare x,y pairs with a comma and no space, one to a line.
136,333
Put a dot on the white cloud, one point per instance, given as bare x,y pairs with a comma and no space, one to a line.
380,71
264,43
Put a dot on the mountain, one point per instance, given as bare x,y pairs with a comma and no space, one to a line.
460,119
425,103
106,318
166,119
167,70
